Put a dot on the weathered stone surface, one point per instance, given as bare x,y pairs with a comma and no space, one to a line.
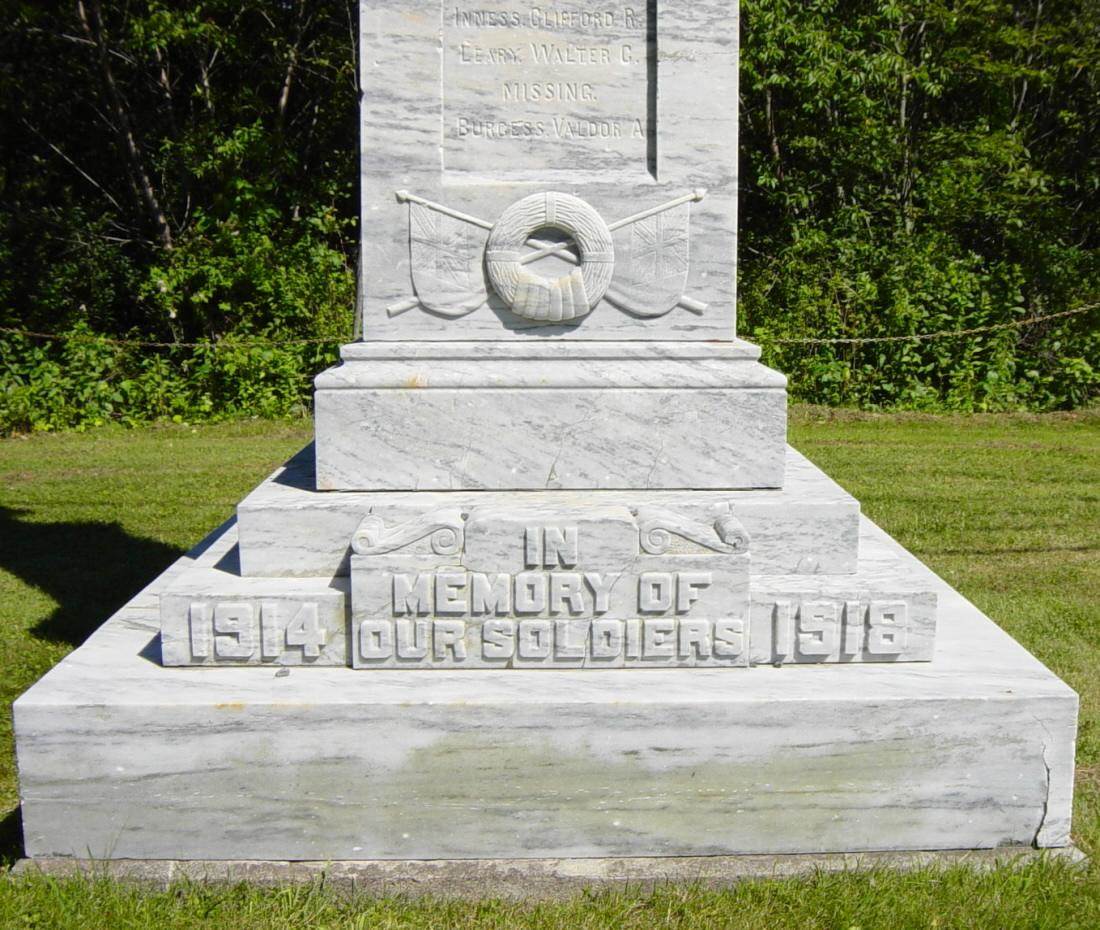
122,758
549,242
467,416
886,612
528,879
552,397
589,613
475,108
289,529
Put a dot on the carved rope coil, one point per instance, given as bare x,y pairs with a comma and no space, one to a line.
732,532
532,296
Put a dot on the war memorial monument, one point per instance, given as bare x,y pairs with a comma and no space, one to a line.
549,584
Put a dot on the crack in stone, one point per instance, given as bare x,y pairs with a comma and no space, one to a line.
567,433
653,466
1046,794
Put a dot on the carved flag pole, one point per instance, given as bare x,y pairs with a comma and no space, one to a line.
562,251
405,197
559,248
547,247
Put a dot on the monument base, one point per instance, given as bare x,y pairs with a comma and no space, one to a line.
123,758
454,416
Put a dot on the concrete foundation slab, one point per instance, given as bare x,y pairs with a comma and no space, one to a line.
526,879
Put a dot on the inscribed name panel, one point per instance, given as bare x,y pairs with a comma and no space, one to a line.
656,590
549,170
539,91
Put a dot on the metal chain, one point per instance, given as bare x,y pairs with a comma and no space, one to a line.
335,340
244,343
941,334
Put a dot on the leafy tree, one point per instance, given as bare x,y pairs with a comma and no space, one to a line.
912,167
162,132
185,172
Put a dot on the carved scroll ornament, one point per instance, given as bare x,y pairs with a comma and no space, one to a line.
444,528
657,527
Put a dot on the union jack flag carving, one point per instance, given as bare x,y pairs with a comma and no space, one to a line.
446,261
651,273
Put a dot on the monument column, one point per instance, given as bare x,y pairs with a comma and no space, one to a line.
549,247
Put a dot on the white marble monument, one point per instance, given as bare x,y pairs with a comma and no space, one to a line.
549,583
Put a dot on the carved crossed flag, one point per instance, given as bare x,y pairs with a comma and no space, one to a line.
652,258
446,260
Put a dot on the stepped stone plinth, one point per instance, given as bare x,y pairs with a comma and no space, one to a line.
549,583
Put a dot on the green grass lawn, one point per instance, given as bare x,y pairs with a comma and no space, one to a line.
1006,508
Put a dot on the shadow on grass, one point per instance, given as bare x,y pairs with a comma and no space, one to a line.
90,569
11,838
1021,550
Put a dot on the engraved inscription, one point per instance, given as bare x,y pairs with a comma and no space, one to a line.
782,630
887,627
240,632
551,546
544,639
537,593
234,630
816,630
571,593
520,80
198,622
304,631
817,627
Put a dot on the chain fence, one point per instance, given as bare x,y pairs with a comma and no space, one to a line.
940,334
336,340
145,344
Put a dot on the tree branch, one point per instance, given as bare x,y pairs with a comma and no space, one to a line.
92,22
72,164
291,67
773,137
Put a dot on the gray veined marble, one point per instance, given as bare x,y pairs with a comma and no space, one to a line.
507,418
211,615
287,528
120,757
586,587
471,110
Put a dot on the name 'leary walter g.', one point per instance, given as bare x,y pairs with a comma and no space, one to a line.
543,53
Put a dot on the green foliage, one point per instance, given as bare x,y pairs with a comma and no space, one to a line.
923,166
185,172
225,231
85,380
1043,896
